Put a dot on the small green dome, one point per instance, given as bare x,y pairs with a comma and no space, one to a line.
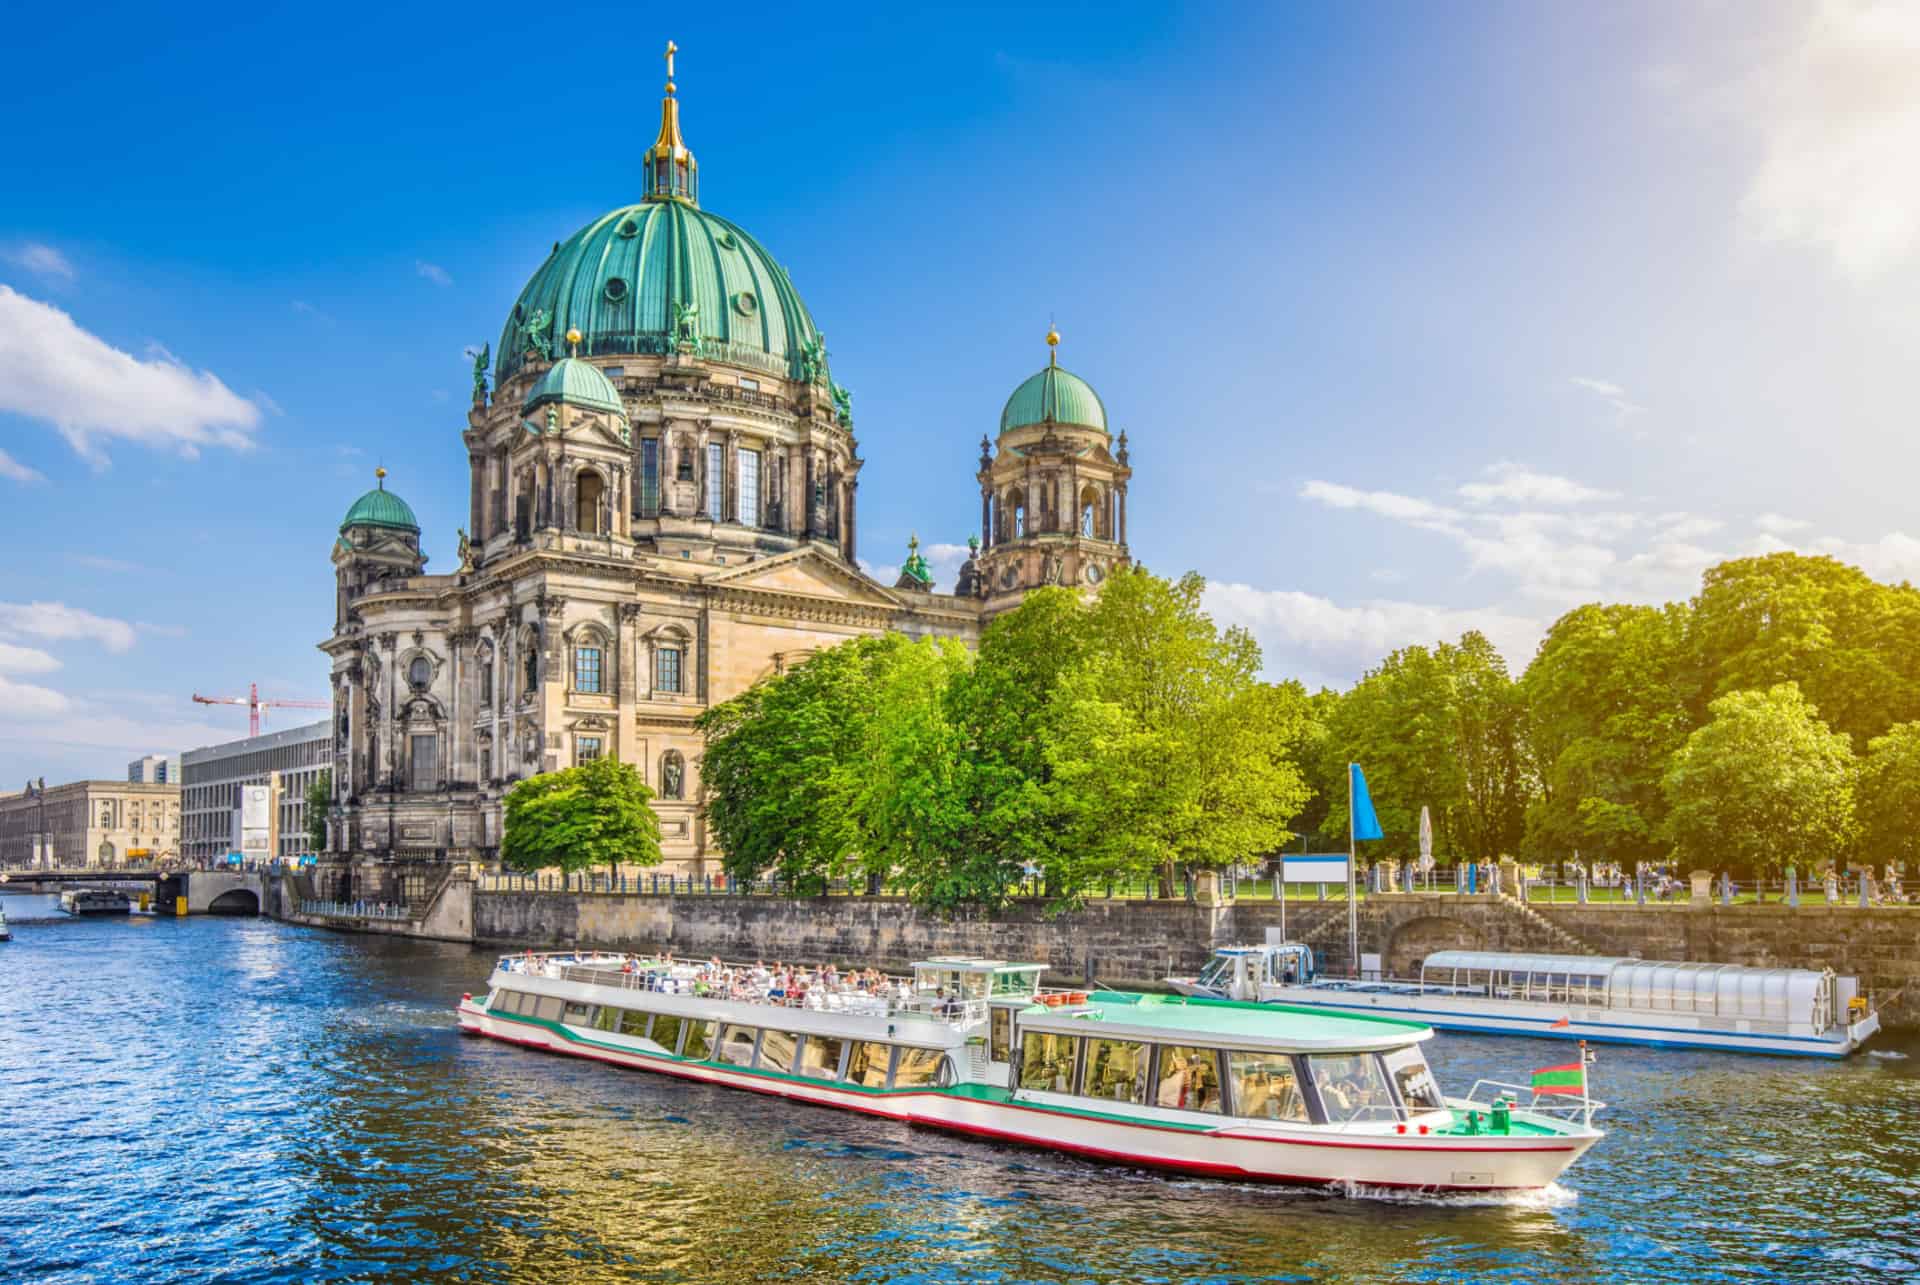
577,383
1057,395
381,507
625,280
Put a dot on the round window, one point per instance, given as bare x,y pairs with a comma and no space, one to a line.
745,304
727,240
616,289
629,228
420,672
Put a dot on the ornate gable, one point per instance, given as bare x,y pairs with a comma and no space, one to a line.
810,573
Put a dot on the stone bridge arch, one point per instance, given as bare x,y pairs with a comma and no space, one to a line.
235,901
1412,940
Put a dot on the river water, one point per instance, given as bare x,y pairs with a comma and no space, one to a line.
240,1100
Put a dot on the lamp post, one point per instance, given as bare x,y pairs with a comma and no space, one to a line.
41,858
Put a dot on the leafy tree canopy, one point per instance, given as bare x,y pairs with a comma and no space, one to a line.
1889,796
596,814
1762,784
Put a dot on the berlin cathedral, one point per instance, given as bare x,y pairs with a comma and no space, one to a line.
663,511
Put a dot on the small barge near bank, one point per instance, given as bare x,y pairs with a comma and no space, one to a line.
95,901
1796,1012
1204,1086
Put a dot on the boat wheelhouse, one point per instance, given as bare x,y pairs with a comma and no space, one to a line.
1604,999
1200,1086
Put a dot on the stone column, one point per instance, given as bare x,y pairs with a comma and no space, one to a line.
853,487
477,495
1123,513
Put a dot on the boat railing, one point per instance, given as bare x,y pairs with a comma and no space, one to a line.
1525,1098
896,996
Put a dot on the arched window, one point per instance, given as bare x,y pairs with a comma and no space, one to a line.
1018,502
1090,524
673,775
420,673
530,659
589,493
484,662
586,666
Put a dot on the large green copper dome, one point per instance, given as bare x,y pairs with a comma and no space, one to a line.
382,508
626,278
1054,395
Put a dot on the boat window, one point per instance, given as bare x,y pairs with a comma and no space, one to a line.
1265,1087
606,1017
820,1057
1020,982
548,1008
576,1014
868,1065
1218,972
1047,1061
1116,1071
634,1023
504,1002
1189,1079
1351,1087
918,1068
666,1030
777,1049
1408,1067
699,1040
736,1044
999,1034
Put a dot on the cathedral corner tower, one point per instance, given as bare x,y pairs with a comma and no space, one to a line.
1053,489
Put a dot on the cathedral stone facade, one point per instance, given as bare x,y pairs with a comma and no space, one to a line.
663,511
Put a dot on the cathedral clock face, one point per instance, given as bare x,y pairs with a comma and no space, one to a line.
1008,577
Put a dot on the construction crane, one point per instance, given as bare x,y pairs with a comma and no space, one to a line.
255,705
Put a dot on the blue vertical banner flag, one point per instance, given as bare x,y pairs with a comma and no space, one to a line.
1365,824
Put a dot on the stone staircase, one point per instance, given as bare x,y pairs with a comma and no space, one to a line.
1561,941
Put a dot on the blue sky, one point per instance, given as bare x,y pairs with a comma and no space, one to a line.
1420,317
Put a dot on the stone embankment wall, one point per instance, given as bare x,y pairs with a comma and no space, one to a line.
1136,943
1120,943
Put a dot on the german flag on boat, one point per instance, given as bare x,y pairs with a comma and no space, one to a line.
1570,1079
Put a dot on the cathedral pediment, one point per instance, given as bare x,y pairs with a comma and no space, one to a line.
811,573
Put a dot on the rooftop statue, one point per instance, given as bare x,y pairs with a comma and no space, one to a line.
686,324
480,360
813,359
538,341
843,406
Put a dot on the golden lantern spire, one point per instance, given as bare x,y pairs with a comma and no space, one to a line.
1053,342
671,172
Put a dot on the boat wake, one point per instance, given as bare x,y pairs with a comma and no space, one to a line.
1889,1055
1551,1196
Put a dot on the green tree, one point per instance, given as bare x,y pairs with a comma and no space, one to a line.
596,814
1167,750
319,799
786,764
1605,710
1888,796
1763,783
1850,643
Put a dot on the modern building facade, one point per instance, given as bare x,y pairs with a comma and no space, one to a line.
155,769
663,510
87,824
211,788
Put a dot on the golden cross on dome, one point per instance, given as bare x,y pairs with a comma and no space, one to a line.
672,49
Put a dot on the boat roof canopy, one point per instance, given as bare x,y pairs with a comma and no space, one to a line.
1578,965
1225,1023
962,964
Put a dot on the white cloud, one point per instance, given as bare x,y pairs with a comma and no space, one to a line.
1388,504
58,622
43,259
1776,524
432,272
943,563
53,370
1612,394
94,562
14,471
1327,643
1521,485
27,701
1838,115
25,660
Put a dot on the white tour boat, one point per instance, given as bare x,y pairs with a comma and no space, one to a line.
1601,999
95,901
6,933
1199,1086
